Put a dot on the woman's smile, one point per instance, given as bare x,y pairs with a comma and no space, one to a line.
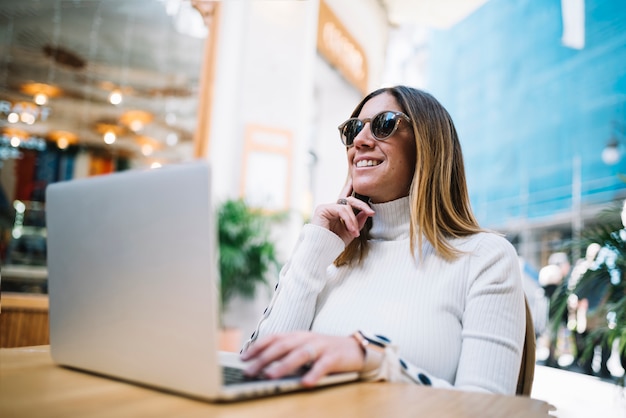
367,163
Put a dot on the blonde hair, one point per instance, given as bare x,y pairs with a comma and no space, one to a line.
439,201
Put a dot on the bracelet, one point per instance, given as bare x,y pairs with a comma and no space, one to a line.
373,349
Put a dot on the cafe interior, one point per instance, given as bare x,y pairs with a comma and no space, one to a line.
88,88
94,87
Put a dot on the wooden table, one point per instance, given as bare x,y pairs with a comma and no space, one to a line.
32,386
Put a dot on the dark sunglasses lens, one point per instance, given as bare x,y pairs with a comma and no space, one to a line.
384,124
350,130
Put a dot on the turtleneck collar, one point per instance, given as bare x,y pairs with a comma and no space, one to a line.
391,220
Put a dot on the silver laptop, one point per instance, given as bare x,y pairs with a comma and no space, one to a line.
132,279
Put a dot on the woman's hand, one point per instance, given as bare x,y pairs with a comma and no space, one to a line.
280,355
340,217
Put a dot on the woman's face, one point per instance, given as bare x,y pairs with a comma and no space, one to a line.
382,170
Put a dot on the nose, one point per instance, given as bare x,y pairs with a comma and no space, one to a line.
364,138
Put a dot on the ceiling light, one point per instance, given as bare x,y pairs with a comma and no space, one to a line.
116,92
63,138
27,118
41,92
115,97
16,135
148,145
109,137
63,143
110,131
41,99
136,120
13,117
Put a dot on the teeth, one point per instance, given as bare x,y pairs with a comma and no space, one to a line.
367,163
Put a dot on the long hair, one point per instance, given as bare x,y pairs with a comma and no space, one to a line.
439,201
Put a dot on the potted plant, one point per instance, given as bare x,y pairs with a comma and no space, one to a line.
247,256
603,281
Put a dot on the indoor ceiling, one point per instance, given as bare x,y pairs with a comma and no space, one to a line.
150,51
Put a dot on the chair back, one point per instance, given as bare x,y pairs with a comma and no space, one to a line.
527,369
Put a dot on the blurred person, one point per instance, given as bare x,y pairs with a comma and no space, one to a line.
554,278
588,314
550,278
403,285
561,260
535,295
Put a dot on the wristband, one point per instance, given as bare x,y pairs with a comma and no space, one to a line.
373,349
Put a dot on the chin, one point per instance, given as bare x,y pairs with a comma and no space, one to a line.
365,191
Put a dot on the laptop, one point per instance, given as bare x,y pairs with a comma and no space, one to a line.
133,283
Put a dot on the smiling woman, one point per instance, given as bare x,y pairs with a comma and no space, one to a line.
405,286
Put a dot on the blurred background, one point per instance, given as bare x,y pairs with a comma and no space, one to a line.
537,90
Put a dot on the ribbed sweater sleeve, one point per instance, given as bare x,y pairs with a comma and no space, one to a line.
300,281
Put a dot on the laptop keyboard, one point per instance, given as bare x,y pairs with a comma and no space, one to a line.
234,375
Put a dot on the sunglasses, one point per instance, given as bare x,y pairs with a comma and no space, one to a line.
382,126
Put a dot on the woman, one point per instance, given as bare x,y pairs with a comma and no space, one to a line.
409,289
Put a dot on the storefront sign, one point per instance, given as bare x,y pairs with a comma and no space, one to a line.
340,49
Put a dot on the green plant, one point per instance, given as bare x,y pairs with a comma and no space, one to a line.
605,280
246,252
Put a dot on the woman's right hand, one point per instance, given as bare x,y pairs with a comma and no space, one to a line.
282,354
340,217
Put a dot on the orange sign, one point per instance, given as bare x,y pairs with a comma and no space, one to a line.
340,49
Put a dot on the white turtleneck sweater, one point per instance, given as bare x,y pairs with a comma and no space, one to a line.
459,323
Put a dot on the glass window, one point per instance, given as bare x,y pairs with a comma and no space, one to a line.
88,88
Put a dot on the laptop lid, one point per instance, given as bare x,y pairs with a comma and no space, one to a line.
132,280
132,277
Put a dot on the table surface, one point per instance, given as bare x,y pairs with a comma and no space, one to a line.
32,385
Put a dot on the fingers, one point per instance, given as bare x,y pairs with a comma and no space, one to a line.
340,217
338,354
255,349
344,212
284,354
291,362
362,216
356,216
279,355
359,206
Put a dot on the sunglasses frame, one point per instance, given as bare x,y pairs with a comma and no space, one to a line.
398,116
